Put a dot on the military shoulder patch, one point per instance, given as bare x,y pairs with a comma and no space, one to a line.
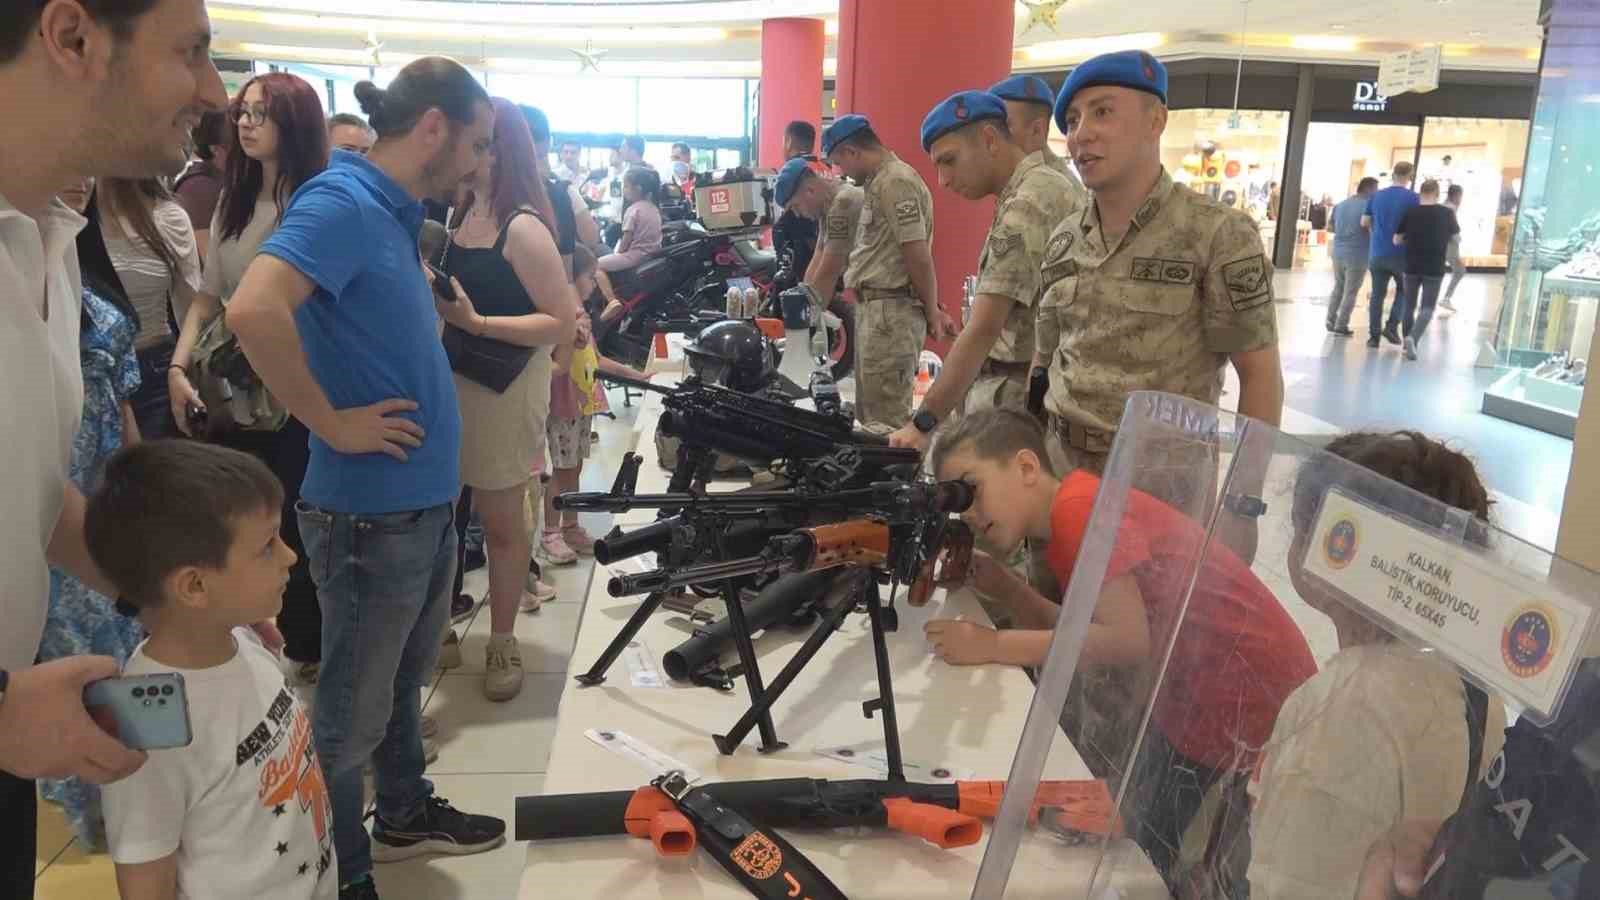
1002,243
1162,271
1246,280
907,211
1059,244
838,228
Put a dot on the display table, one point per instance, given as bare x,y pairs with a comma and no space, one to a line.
966,719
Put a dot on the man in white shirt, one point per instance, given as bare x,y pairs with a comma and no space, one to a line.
87,87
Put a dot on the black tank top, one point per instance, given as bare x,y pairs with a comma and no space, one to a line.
566,221
488,277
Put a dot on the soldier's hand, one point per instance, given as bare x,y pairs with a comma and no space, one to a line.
940,325
909,436
1395,863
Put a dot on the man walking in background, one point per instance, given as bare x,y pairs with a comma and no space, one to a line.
1424,235
1384,211
1351,245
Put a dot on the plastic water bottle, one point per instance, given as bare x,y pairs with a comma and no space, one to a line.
735,303
752,302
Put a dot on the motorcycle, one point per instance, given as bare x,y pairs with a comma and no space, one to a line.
683,287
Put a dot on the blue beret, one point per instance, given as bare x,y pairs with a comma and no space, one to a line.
1133,69
958,111
789,178
1025,89
842,128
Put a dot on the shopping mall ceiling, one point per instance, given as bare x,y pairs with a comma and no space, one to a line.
722,37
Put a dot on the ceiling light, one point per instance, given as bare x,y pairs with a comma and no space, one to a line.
830,27
501,15
1323,42
1083,48
329,55
635,68
471,31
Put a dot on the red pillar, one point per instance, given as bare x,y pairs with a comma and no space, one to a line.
897,58
791,81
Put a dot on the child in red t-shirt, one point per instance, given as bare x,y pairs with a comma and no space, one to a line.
1234,659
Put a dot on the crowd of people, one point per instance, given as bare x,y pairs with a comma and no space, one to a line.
251,419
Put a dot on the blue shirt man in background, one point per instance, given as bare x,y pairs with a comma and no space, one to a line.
1384,212
1351,244
337,318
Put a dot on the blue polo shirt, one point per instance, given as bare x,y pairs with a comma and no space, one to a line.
370,333
1387,207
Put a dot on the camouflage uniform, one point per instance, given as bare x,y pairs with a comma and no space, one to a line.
890,323
1060,164
1034,201
1187,285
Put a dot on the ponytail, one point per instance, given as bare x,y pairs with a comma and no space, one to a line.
432,82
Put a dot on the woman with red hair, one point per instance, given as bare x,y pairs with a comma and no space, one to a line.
510,287
276,141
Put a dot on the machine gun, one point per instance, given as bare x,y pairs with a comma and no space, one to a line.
708,419
896,532
945,815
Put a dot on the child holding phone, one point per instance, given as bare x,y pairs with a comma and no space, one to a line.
189,533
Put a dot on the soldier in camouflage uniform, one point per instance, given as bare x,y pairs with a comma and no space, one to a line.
891,271
1029,102
977,157
836,206
1149,287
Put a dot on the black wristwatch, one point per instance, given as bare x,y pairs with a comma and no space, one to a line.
925,421
1244,506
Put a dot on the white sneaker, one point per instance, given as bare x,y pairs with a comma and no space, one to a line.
1411,348
450,651
553,549
536,594
502,668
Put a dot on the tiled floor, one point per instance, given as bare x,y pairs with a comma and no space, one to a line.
491,753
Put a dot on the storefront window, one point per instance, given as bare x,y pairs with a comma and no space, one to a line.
1484,157
1338,156
1235,158
1547,321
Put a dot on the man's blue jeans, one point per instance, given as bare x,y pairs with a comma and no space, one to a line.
1383,269
385,583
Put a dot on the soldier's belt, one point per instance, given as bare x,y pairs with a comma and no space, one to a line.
865,294
1089,440
992,366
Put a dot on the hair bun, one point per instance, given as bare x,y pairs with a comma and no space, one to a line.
370,96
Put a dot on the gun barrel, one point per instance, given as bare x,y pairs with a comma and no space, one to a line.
785,553
619,545
778,602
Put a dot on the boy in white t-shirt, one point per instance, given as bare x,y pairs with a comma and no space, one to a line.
189,534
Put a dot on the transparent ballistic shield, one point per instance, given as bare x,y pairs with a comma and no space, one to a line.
1287,713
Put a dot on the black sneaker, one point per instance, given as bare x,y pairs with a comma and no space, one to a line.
1342,332
439,828
1392,336
1372,342
461,608
359,890
474,559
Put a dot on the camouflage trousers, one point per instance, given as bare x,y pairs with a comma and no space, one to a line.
889,337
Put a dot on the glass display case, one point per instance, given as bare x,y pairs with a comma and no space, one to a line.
1547,321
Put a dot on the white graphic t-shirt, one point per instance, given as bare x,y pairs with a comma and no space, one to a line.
244,806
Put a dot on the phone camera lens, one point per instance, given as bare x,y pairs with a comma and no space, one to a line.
166,690
162,702
147,703
138,692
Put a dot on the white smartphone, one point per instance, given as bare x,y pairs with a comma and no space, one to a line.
144,712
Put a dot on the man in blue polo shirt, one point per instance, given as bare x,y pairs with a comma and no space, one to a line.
1388,261
336,316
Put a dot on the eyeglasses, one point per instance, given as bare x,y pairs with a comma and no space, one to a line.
257,114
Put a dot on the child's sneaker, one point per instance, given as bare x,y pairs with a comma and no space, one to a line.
360,890
439,828
450,651
580,541
554,550
536,594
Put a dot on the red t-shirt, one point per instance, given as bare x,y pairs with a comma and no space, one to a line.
1237,655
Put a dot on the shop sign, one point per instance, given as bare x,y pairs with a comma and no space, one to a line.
1368,99
1523,639
1410,71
